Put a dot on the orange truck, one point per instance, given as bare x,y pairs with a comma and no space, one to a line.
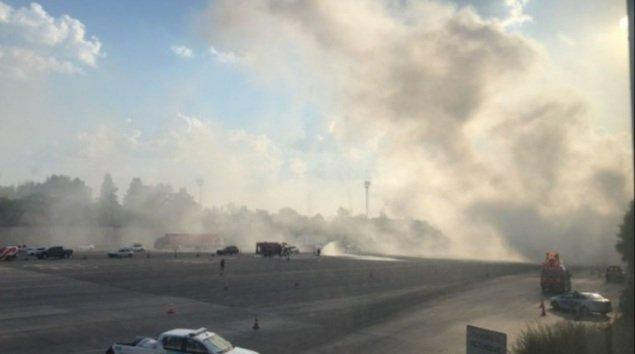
554,276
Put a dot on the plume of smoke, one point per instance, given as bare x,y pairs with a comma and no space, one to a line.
505,170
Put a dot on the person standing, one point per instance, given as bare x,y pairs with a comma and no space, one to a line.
222,266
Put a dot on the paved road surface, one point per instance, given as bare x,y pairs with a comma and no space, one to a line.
307,304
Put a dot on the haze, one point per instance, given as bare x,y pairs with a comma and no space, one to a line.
504,126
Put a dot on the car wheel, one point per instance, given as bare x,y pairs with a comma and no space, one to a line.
555,305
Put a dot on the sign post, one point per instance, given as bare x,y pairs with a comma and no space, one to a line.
485,341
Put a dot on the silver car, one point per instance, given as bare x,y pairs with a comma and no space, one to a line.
582,303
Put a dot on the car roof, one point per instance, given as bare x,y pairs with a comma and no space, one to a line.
184,332
590,294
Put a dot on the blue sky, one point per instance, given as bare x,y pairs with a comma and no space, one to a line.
138,69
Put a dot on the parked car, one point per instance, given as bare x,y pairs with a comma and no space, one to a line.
179,341
615,274
293,250
8,253
137,247
121,253
581,302
228,251
33,251
54,252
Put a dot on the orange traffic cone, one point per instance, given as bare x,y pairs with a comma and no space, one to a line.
256,325
542,308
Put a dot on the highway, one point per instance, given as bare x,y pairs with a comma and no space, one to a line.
307,304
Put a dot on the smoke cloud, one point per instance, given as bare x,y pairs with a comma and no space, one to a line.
465,130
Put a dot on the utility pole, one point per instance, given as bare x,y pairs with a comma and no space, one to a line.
366,186
199,182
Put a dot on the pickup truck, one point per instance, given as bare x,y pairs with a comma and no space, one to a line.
54,252
177,341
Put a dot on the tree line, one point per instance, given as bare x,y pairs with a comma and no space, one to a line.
62,200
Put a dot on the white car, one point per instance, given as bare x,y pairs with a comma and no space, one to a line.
137,247
583,302
121,253
179,341
33,251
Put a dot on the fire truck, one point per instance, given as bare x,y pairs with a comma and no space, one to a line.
554,277
270,249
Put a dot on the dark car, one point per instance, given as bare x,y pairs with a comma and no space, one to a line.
228,251
615,274
55,252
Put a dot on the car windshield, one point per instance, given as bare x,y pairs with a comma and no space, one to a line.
217,344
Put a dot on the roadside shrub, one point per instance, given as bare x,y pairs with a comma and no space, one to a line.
564,338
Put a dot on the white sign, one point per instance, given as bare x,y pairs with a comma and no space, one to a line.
484,341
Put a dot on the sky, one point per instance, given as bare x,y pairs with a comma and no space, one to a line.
509,116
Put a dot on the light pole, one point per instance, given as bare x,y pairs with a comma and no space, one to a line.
366,186
199,182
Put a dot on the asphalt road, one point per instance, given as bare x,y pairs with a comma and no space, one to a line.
306,304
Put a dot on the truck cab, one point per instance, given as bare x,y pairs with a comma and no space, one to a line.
178,341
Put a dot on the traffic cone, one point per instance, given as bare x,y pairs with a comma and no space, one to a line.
256,326
542,308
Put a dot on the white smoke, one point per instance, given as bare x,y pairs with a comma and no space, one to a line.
466,131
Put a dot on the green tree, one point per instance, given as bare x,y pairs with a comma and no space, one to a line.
625,243
10,212
108,205
136,194
625,248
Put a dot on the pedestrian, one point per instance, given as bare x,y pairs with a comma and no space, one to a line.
222,266
319,250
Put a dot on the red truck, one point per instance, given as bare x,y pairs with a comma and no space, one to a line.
270,249
554,277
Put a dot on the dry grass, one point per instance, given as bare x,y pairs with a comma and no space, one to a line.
565,338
